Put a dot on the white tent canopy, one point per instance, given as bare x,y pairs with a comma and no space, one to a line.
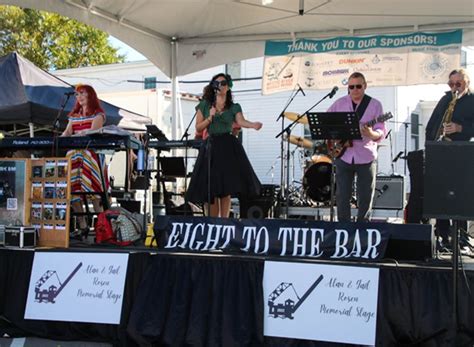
184,36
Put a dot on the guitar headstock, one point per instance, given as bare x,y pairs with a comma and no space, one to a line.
384,117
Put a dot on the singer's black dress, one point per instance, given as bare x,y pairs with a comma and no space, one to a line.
225,159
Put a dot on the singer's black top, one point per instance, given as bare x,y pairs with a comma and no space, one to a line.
222,122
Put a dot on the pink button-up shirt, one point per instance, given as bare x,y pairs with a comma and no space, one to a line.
362,151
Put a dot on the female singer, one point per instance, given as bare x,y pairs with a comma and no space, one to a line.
222,168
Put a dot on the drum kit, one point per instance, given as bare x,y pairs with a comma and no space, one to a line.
317,167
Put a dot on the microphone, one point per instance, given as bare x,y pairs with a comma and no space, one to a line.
69,93
301,89
333,92
397,156
215,85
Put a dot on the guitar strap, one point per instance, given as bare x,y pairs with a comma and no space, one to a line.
362,106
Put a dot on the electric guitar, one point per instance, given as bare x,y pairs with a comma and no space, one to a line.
336,148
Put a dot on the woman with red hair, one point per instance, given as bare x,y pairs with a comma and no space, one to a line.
87,167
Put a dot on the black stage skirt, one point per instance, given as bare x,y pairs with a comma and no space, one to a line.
231,171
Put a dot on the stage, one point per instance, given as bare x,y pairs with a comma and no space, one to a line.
216,299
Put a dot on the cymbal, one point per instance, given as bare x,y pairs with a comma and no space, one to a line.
301,142
293,116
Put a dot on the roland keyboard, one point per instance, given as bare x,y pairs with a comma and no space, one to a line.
174,144
115,142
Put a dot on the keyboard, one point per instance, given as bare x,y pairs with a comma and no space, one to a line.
116,142
172,144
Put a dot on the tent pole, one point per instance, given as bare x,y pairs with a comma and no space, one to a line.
174,82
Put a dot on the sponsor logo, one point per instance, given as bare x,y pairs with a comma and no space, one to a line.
392,58
335,72
369,69
347,61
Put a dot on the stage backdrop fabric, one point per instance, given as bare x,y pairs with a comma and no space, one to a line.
218,300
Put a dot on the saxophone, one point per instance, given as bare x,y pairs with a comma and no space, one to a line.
448,115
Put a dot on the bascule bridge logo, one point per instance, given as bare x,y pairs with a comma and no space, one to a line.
49,286
288,307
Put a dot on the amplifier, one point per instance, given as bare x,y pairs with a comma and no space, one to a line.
262,206
389,193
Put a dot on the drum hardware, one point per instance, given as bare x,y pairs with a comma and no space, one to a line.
299,118
271,171
300,141
284,180
294,117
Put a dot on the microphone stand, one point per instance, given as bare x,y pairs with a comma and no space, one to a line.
283,188
64,100
146,173
287,130
208,151
185,137
406,125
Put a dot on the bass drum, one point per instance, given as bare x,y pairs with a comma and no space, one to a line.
317,181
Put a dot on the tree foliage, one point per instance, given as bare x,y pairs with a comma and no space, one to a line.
52,41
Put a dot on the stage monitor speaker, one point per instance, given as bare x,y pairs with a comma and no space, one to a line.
260,207
389,193
409,245
449,188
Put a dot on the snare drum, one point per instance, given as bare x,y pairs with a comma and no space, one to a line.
317,179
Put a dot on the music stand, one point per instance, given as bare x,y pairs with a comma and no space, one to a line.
155,132
152,131
334,126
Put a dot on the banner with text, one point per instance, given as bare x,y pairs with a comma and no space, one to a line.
320,302
315,239
77,287
385,60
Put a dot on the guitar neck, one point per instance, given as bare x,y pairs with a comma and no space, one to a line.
381,118
372,122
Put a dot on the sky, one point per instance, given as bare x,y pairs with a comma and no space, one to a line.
129,52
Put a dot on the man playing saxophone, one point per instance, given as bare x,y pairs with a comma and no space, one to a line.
452,120
461,125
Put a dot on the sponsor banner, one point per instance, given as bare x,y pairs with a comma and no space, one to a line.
321,302
385,60
314,239
77,287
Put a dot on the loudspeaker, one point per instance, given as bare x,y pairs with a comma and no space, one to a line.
261,206
410,245
416,167
389,193
449,172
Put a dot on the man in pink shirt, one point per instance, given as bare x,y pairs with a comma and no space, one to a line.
361,158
